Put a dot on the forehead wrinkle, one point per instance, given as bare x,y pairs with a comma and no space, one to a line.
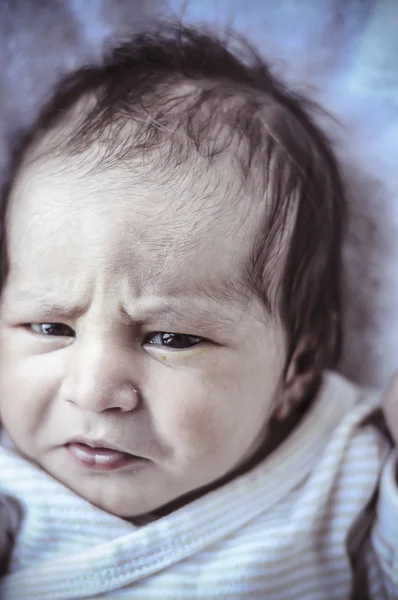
189,310
188,313
199,204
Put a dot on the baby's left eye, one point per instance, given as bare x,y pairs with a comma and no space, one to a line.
176,341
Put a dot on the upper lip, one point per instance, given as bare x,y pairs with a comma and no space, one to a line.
96,444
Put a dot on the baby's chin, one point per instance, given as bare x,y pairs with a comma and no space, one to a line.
141,490
124,496
127,494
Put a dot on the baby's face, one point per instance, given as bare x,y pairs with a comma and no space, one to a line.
132,367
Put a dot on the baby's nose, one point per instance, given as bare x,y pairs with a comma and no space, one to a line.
101,382
102,395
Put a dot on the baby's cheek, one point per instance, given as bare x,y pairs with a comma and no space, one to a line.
200,427
27,387
200,419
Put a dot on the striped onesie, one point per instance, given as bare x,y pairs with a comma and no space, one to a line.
303,524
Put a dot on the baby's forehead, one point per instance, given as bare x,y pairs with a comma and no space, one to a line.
175,216
175,235
194,194
190,164
173,226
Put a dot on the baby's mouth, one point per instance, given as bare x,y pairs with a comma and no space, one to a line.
101,457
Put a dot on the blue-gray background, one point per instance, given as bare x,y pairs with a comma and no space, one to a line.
342,52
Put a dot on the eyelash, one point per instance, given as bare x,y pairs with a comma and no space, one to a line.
168,337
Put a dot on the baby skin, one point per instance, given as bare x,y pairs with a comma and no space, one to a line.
124,317
170,315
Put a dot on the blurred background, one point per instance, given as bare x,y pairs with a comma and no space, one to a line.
343,53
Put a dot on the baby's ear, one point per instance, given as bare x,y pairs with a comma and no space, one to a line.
299,378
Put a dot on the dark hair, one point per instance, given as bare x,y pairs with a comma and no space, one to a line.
231,91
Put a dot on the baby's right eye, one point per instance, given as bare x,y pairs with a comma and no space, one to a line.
52,329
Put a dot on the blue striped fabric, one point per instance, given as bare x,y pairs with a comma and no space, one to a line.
279,532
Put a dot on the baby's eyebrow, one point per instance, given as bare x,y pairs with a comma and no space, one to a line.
191,309
28,298
188,314
194,309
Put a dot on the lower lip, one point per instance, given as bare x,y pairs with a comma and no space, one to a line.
101,459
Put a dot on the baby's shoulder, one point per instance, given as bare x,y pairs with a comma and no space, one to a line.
348,402
356,438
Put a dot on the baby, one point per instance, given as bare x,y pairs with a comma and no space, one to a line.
170,315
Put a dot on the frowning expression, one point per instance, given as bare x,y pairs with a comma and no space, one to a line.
133,367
